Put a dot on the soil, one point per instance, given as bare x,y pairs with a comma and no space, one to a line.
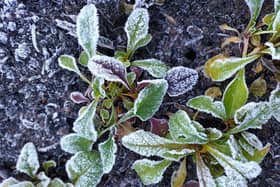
34,90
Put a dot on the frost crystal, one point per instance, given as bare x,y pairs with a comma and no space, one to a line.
180,80
108,68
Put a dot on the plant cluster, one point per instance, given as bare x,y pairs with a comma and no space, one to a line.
116,96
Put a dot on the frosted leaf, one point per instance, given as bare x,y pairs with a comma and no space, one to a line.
251,116
108,68
78,98
23,184
182,129
68,62
73,143
206,104
8,182
150,172
97,87
220,68
246,146
136,27
180,80
83,59
155,67
235,180
84,125
275,103
276,23
276,5
150,98
85,169
87,29
255,7
143,42
274,52
258,155
213,133
236,94
44,180
236,151
56,182
235,168
149,144
203,174
108,150
28,162
252,139
178,177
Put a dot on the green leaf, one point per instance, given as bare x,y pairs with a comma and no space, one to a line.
143,42
108,150
56,182
104,114
150,172
233,167
136,28
155,67
246,146
83,59
8,182
44,180
276,23
150,98
68,62
182,129
85,169
255,7
179,176
258,155
97,88
236,151
213,134
73,143
48,164
251,116
236,94
28,162
84,125
220,68
23,184
206,104
149,144
276,5
273,51
252,139
87,29
131,77
275,103
203,173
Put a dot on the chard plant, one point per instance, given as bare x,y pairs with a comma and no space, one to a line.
28,164
223,158
253,49
115,93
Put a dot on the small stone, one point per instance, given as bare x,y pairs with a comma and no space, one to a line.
12,26
3,38
194,31
23,51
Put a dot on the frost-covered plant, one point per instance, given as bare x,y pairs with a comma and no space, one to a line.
115,93
28,163
223,158
253,49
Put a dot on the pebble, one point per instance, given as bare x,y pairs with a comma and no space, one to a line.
3,37
23,51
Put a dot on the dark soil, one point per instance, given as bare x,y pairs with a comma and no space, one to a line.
34,91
